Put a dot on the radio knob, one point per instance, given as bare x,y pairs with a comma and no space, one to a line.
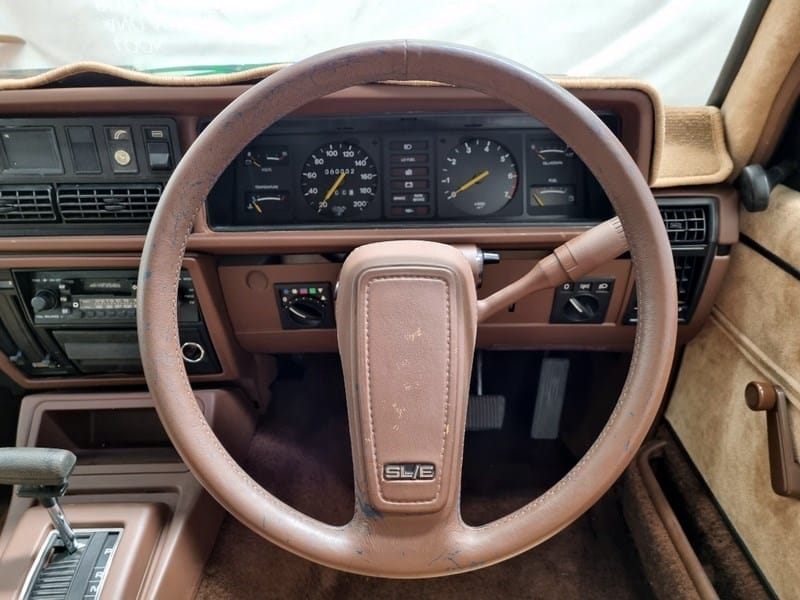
44,300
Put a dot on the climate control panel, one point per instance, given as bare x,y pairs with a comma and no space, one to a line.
305,305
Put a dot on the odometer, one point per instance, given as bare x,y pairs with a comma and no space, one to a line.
339,179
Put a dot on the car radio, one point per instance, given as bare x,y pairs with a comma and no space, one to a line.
84,297
83,322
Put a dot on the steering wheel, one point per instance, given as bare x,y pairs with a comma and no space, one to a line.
407,315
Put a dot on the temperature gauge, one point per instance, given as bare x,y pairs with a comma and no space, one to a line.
266,206
264,178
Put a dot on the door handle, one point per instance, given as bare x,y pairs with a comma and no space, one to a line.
783,465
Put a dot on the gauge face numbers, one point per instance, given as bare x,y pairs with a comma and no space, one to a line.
478,177
559,198
339,180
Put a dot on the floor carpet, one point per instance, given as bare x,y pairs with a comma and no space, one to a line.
300,452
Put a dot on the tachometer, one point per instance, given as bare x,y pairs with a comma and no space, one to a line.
478,177
339,179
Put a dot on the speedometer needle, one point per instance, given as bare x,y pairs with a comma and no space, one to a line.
335,185
477,179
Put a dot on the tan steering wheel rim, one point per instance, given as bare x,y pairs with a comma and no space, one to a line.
421,546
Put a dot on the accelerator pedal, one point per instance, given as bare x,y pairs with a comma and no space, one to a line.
550,398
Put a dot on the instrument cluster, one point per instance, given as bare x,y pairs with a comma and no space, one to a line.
385,170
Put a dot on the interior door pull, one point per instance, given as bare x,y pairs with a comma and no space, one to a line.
783,464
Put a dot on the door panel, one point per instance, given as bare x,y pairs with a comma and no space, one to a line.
753,334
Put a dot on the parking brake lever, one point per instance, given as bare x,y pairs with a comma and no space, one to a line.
43,474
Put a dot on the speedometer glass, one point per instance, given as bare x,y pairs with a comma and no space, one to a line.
478,177
339,179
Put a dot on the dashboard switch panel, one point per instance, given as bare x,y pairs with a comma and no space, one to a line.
305,305
584,301
84,175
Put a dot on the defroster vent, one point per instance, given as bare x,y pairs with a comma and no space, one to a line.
132,203
686,225
26,204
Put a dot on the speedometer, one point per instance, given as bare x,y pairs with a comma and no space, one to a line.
339,179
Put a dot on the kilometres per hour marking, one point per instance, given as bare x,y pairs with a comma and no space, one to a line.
339,179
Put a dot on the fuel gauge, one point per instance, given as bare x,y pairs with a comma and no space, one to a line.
551,199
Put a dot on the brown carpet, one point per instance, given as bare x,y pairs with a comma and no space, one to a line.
300,452
718,551
712,538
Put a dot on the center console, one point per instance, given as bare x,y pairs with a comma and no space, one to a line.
147,523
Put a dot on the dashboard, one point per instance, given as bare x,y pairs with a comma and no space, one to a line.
78,187
472,168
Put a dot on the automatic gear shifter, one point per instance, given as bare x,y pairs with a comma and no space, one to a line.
43,474
70,565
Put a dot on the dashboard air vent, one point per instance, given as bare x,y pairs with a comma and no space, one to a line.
84,203
685,225
687,272
26,204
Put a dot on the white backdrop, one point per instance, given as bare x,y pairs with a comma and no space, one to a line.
677,45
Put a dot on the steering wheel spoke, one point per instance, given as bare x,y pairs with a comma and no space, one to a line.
397,542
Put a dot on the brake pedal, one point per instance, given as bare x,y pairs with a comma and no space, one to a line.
485,412
550,398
